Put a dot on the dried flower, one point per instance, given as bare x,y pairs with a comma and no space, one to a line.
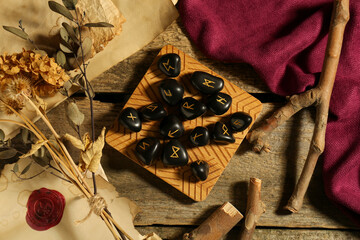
12,93
45,75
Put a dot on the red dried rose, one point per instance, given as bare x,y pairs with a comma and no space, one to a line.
45,209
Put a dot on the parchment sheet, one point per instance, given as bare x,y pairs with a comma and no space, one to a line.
14,194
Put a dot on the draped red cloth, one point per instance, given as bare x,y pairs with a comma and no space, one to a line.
285,42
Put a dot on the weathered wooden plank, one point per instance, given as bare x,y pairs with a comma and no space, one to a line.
127,74
175,233
162,204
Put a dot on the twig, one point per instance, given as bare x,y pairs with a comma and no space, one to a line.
255,207
320,96
217,225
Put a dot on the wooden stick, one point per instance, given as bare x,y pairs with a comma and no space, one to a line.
320,95
255,207
217,225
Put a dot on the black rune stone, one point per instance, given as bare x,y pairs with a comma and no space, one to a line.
174,154
147,150
219,103
191,108
171,91
207,83
171,127
240,121
170,64
200,169
154,111
199,136
129,117
222,133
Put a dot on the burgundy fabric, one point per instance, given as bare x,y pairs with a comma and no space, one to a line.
285,42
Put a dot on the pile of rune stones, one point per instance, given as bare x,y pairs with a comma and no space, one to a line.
174,154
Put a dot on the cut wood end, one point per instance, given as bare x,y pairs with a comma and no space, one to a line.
291,209
230,210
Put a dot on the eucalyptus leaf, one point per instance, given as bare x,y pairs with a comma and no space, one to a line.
86,47
2,135
74,114
65,48
70,30
16,167
8,153
64,34
42,161
25,135
18,32
69,4
99,24
58,8
26,169
60,58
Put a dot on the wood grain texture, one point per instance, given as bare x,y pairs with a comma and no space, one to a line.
175,233
125,76
162,204
215,154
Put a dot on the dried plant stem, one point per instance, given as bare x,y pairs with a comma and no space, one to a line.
60,159
255,207
320,96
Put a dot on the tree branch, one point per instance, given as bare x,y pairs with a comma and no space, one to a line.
320,95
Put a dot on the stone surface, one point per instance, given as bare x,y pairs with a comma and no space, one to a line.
148,149
174,154
219,103
191,108
170,64
206,83
240,121
200,169
221,133
154,111
171,91
130,119
199,136
171,127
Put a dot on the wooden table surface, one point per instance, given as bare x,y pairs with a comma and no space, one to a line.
170,213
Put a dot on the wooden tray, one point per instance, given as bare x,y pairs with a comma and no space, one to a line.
217,155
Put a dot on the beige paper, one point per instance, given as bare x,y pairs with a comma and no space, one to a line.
145,19
14,194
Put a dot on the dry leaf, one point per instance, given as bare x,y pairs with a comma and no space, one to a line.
75,141
34,148
90,158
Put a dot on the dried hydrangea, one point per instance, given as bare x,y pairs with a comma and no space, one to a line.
28,73
45,75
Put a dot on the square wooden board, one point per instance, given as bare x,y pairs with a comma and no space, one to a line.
216,155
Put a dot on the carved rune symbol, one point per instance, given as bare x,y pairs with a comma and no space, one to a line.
225,129
196,136
208,82
167,65
238,122
170,134
221,100
131,116
144,145
186,105
168,93
175,150
152,107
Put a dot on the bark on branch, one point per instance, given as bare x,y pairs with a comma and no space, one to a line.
320,96
217,225
254,208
